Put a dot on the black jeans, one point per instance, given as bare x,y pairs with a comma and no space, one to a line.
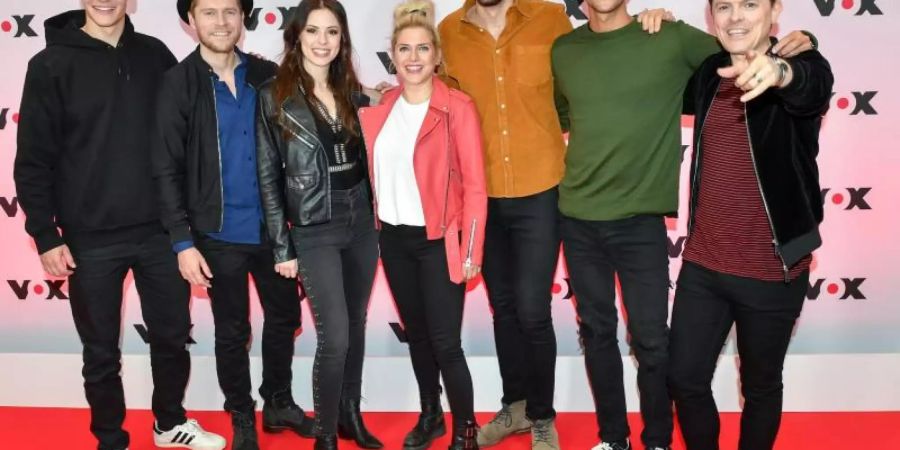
431,308
337,262
635,250
95,291
707,304
230,300
521,250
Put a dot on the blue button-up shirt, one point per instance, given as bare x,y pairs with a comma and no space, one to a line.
242,215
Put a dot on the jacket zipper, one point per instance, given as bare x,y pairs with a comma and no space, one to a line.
219,149
471,248
763,196
449,173
694,185
289,116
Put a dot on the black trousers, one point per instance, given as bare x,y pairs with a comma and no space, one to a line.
707,304
337,263
635,250
231,264
95,291
431,308
521,251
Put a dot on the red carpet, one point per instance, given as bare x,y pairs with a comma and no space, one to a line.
67,429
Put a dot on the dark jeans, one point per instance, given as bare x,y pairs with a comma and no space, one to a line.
95,291
635,250
337,262
707,304
431,308
230,300
521,250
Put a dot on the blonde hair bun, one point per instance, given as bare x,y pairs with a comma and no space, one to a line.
414,12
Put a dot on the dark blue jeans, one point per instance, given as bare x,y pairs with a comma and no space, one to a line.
634,249
337,262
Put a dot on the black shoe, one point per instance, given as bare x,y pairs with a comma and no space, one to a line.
351,426
429,427
326,442
281,413
244,426
465,436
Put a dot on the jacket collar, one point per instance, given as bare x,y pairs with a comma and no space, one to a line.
256,73
438,108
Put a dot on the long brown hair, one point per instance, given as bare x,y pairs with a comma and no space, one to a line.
341,75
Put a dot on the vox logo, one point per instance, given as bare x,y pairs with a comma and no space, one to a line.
563,289
845,288
848,199
278,17
573,10
145,335
10,206
861,103
387,63
5,116
48,289
20,26
858,7
676,246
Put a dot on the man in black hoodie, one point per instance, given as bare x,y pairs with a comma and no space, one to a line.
205,166
82,174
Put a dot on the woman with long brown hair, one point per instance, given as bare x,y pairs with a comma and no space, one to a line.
315,192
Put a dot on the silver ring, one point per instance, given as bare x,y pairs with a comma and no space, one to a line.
759,80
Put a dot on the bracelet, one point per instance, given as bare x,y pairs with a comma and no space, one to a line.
812,39
782,69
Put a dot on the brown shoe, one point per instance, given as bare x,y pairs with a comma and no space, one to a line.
544,435
509,420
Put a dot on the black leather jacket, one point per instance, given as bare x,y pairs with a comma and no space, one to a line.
293,168
783,126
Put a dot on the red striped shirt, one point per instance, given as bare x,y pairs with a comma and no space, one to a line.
731,230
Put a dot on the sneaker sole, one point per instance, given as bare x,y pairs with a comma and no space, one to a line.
166,445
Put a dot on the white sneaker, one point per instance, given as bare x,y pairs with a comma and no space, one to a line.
611,446
188,435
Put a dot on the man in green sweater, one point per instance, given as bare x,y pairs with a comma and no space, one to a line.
619,93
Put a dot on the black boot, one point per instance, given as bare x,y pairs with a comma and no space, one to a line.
326,442
244,426
351,426
465,436
281,413
429,427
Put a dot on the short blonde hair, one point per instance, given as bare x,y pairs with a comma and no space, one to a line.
415,13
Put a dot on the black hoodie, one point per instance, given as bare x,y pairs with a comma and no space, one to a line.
86,121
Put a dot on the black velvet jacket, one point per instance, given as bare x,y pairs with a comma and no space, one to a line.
783,126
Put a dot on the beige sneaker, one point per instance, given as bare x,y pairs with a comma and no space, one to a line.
509,420
544,435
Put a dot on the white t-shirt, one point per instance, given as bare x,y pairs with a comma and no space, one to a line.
398,197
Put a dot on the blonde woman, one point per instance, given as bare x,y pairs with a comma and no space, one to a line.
427,174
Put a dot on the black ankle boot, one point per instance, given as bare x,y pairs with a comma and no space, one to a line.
465,436
244,426
281,413
429,427
326,442
351,426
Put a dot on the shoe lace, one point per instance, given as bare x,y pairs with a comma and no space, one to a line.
503,417
541,432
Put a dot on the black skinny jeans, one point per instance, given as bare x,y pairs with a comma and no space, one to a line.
634,249
431,308
521,249
337,262
230,300
95,291
707,305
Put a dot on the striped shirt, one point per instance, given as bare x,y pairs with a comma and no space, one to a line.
731,231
